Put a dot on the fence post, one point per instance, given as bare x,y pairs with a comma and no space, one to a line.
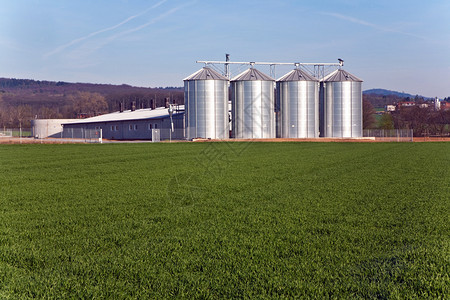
101,136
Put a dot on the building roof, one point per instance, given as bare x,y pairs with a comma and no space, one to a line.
297,75
252,74
128,115
205,74
341,75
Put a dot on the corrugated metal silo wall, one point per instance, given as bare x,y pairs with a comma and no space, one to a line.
299,109
253,109
277,112
206,105
341,109
321,110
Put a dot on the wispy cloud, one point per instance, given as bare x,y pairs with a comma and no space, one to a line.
153,21
81,39
372,25
137,28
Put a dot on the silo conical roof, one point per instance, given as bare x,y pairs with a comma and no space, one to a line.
205,74
297,75
341,75
252,74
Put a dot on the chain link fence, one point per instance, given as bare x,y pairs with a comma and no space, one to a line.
6,133
15,132
390,135
82,135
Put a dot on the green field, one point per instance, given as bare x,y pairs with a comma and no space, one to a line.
225,220
24,133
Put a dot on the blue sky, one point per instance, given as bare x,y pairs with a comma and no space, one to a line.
398,45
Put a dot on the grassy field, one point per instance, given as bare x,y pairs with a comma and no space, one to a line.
225,220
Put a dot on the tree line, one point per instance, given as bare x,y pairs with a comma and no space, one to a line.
22,100
423,120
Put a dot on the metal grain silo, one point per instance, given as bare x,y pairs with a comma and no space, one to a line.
206,105
252,99
341,105
298,102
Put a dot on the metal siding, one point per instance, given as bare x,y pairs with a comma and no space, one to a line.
209,104
267,109
336,125
278,111
226,120
285,121
221,110
253,109
322,106
302,110
317,114
239,109
342,111
206,113
312,113
299,109
233,109
200,100
329,98
249,113
357,109
259,105
143,132
293,109
257,102
346,109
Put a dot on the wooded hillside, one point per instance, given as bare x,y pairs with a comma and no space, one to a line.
23,99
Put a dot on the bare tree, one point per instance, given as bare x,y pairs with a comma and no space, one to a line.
23,115
386,121
89,104
2,112
49,113
368,115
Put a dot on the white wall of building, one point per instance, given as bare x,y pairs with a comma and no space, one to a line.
43,128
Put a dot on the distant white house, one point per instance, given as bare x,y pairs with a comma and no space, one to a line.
389,108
